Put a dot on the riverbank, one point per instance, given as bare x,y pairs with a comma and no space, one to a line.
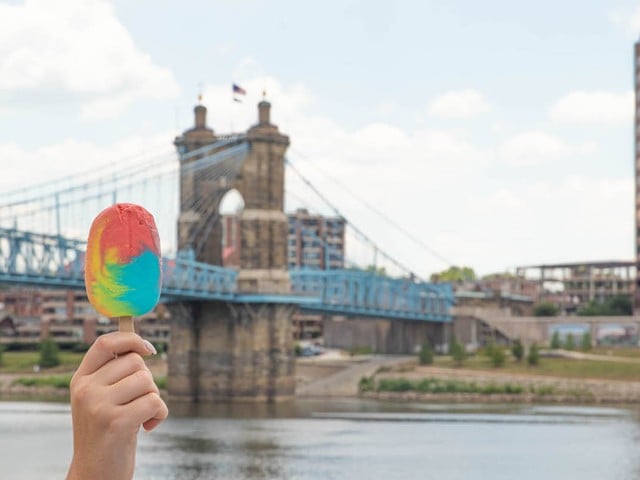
438,384
399,378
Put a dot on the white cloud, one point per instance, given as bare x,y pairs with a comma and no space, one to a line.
577,218
71,157
39,172
503,198
535,147
387,107
628,21
459,104
594,107
77,47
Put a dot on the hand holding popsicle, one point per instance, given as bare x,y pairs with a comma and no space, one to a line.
112,392
112,395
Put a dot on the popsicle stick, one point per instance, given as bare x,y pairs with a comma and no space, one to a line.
125,324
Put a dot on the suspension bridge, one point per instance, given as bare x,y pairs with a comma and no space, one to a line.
42,231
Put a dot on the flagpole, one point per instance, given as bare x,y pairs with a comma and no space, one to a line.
236,90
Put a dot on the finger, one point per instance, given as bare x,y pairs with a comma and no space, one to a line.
107,346
118,368
148,409
151,424
134,386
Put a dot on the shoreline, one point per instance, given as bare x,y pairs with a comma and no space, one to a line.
471,398
486,386
330,378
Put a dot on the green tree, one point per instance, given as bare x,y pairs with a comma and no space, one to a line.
457,352
585,343
613,306
619,305
488,348
533,358
1,355
497,356
49,355
454,274
569,342
517,349
426,354
555,340
377,270
546,309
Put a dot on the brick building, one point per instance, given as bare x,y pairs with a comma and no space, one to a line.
313,241
30,315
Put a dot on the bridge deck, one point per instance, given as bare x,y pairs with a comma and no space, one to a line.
50,261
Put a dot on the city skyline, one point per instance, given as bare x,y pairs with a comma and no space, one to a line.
500,135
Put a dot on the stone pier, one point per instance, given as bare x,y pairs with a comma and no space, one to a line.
231,352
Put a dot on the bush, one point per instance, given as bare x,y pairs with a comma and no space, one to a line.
426,354
437,385
497,356
585,344
1,357
533,358
518,350
298,350
161,382
395,385
49,354
555,340
569,342
458,353
546,309
617,305
366,384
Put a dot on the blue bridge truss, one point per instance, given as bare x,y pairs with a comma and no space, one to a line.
52,261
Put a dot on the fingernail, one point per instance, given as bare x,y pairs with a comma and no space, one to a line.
150,346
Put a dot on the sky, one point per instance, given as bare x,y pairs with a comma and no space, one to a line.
494,134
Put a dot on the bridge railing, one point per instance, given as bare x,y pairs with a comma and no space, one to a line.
184,277
34,258
50,260
364,293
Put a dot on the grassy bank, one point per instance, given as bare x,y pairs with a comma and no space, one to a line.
63,381
23,361
554,367
57,381
437,385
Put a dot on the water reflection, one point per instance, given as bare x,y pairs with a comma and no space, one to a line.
219,449
239,411
353,439
190,444
348,440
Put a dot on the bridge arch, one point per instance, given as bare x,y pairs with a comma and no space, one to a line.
230,209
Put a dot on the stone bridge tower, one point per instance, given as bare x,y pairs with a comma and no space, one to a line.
221,350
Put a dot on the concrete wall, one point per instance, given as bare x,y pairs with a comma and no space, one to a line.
537,329
382,335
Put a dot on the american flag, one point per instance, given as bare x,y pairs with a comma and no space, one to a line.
237,89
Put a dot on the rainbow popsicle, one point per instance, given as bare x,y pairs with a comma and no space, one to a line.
122,269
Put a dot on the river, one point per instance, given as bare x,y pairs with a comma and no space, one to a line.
347,439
